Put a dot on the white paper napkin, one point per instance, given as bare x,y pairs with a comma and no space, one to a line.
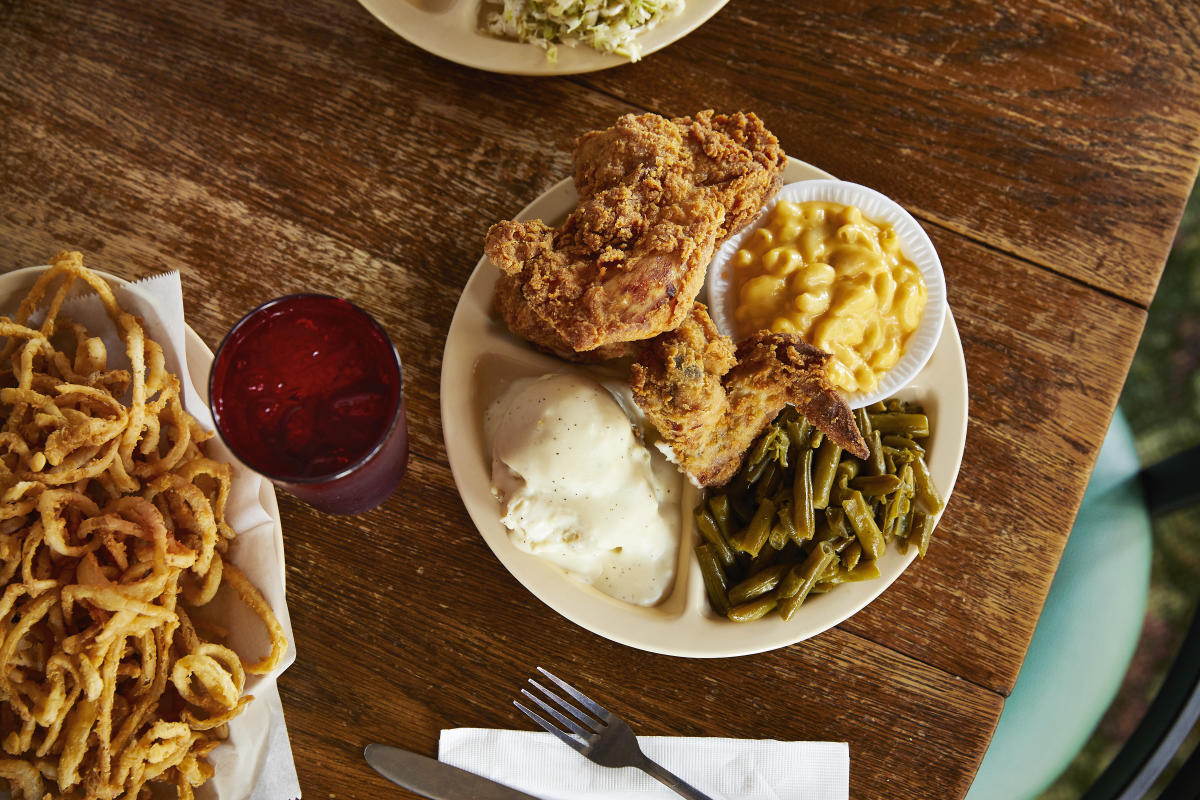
256,762
724,769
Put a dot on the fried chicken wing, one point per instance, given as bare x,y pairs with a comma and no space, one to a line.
656,198
710,400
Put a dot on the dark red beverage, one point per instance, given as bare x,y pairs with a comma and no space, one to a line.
306,390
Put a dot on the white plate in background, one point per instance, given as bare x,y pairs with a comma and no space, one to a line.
450,29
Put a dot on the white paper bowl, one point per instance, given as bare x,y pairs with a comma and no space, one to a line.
914,243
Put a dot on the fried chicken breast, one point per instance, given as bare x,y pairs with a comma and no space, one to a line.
656,198
710,400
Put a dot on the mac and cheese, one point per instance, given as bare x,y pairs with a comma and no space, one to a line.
828,273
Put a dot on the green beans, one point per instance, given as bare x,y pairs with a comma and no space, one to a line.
876,484
927,496
712,535
714,579
803,519
863,420
824,471
901,443
718,505
922,531
910,425
859,515
757,584
755,609
765,549
802,578
876,462
759,529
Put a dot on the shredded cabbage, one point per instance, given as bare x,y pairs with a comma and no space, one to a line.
610,26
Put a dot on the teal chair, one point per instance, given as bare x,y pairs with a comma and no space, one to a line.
1086,635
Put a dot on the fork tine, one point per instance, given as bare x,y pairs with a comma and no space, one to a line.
567,738
598,710
592,724
563,720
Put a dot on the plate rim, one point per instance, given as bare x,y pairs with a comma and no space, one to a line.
563,597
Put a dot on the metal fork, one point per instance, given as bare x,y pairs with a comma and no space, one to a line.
603,737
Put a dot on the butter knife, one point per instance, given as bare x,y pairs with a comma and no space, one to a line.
433,779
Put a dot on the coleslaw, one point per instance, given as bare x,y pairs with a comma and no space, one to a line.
610,26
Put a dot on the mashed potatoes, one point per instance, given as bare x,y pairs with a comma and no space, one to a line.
578,489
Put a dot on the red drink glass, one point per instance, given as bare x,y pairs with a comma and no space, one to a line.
306,390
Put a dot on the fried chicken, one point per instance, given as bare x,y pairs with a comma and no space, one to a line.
656,198
710,400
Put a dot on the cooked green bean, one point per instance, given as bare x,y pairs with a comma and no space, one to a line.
849,467
799,431
784,512
903,525
802,578
928,498
859,515
718,504
897,517
758,584
779,537
771,445
714,579
876,484
865,571
810,568
852,555
837,532
909,425
759,529
922,531
754,471
755,609
863,420
902,443
768,484
832,525
824,470
803,519
846,470
712,535
875,464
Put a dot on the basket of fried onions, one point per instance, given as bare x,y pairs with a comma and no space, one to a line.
112,536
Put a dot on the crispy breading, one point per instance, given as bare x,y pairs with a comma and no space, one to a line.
656,198
710,400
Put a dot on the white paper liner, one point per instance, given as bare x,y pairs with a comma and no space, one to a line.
914,243
255,763
724,769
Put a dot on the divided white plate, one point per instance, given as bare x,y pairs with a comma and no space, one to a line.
481,357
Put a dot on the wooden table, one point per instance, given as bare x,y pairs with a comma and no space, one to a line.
267,147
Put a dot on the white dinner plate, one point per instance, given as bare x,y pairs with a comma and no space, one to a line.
450,29
481,356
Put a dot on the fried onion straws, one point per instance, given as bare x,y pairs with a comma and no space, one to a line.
112,530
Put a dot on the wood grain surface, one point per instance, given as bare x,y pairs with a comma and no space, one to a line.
262,148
